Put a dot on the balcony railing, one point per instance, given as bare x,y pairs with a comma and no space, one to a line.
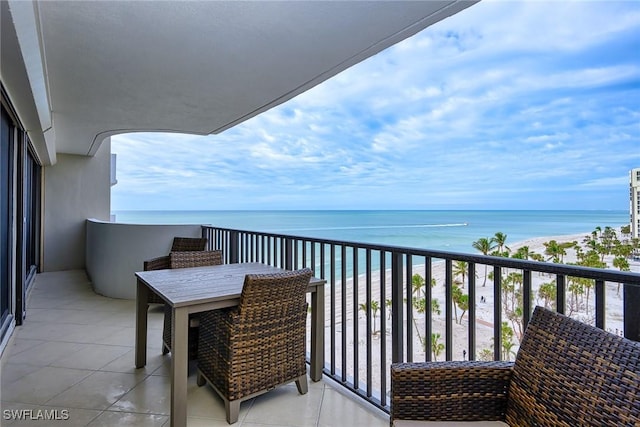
378,311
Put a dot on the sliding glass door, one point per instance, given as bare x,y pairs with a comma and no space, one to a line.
7,131
28,234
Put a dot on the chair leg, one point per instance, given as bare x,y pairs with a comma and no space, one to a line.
200,380
165,349
301,383
233,410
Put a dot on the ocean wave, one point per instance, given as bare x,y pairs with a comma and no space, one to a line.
374,227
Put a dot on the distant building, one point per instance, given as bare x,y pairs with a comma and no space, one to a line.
634,201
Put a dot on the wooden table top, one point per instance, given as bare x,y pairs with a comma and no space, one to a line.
186,286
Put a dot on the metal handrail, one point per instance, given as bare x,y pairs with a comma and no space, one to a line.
339,263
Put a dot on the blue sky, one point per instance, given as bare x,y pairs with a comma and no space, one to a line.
506,105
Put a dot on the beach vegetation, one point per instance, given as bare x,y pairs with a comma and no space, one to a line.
586,259
576,289
499,239
625,230
375,308
507,341
461,269
622,264
557,251
508,346
485,355
420,303
624,250
485,246
547,293
599,249
435,306
523,252
417,285
512,300
436,346
461,301
537,257
420,306
463,304
608,239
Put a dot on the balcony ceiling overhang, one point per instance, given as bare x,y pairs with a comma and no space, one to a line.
110,67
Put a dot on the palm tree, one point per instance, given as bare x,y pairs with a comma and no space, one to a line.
456,295
436,347
507,341
417,284
460,268
484,245
375,307
622,264
500,239
463,304
523,252
547,291
555,251
435,306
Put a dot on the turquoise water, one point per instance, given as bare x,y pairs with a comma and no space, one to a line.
438,230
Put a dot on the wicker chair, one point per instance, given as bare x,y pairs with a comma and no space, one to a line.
249,349
180,244
566,373
187,260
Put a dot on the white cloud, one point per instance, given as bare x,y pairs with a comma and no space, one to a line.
500,106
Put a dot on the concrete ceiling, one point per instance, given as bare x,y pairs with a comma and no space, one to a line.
108,67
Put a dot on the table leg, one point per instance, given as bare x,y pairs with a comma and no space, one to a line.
141,323
179,366
317,333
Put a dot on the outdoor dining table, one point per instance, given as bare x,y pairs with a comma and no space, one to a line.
193,290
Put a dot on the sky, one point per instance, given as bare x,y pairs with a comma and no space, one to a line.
506,105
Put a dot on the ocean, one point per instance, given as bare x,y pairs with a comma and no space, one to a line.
448,230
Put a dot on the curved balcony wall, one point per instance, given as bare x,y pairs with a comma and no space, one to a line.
115,251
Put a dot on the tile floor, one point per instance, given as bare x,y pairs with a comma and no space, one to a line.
74,359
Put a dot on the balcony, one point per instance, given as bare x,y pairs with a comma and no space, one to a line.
74,358
76,353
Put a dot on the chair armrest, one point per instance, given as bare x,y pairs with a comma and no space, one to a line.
159,263
450,391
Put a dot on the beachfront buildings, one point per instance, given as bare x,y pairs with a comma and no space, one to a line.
634,201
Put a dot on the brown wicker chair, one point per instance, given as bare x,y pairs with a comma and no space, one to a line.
248,350
187,260
180,244
566,373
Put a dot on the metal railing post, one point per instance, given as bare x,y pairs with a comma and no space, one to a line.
631,314
497,313
397,332
234,247
288,254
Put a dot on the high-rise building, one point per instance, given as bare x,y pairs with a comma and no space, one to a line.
634,201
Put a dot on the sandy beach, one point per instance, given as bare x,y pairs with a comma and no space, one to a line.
356,326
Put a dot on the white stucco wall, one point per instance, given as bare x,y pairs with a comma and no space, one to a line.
116,251
75,188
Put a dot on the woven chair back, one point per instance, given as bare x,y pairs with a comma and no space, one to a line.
189,259
274,296
568,372
182,244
